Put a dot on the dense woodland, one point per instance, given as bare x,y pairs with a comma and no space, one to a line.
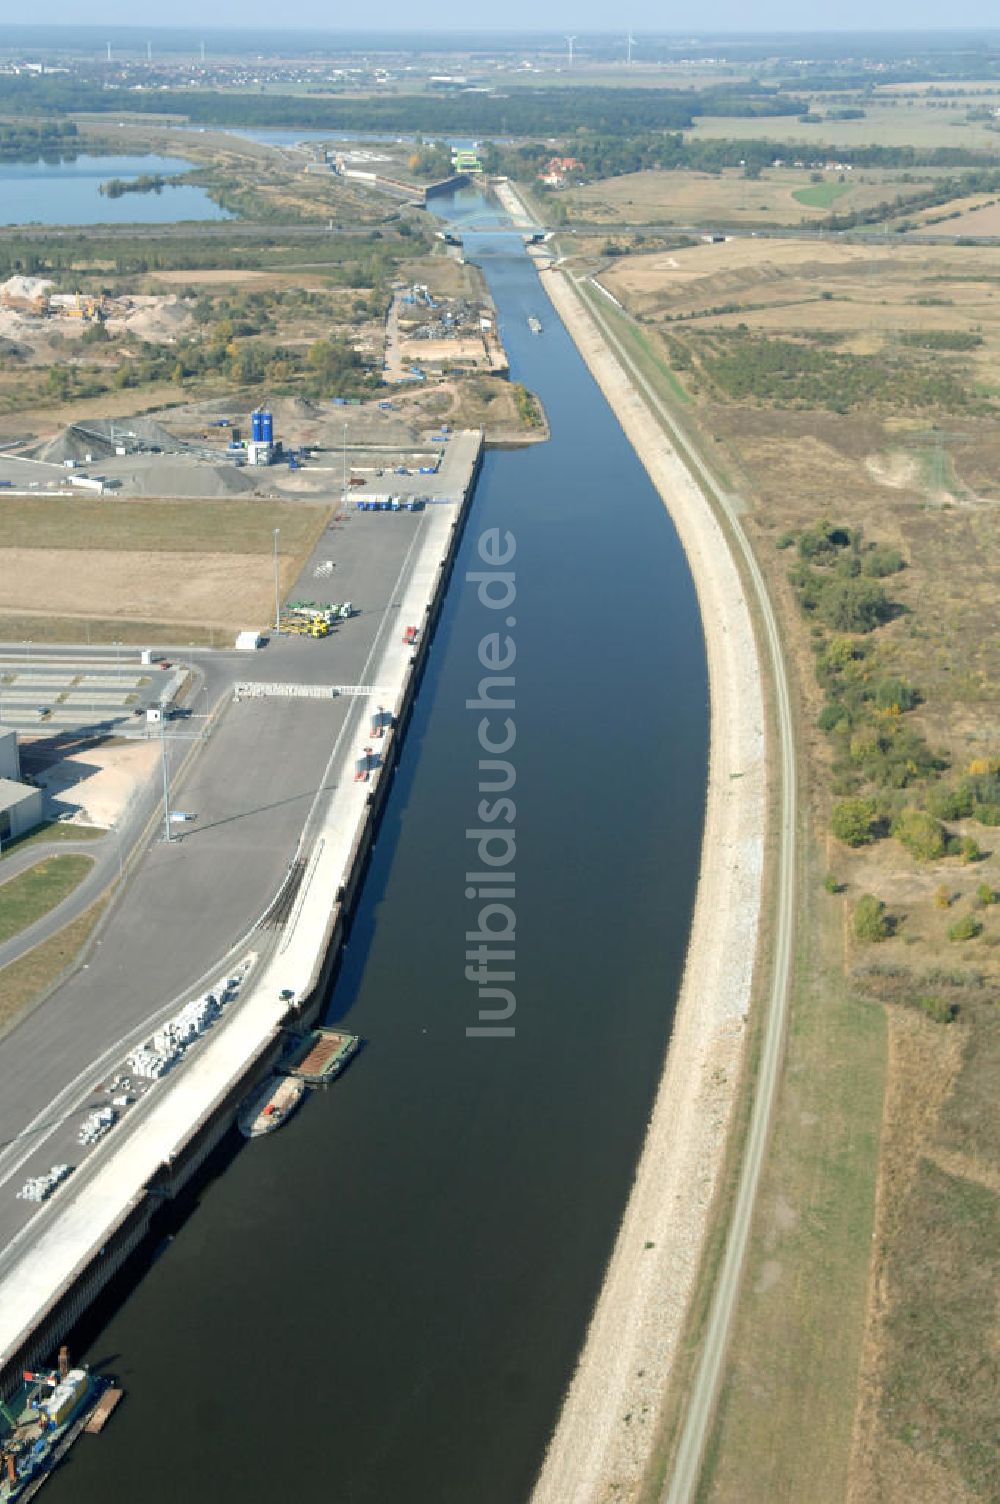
520,112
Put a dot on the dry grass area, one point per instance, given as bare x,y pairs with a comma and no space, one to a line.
865,296
912,1307
164,565
47,417
795,1349
699,198
977,219
208,589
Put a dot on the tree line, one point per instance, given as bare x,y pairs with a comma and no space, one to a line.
519,111
26,143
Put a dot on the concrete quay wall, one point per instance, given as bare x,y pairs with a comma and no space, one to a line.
96,1230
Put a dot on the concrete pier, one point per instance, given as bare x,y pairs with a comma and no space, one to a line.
66,1254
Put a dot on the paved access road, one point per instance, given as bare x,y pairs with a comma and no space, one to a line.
251,787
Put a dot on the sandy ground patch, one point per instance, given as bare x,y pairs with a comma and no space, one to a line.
469,351
219,278
220,590
900,471
607,1428
96,786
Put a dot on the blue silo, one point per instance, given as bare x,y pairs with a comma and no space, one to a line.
256,427
268,427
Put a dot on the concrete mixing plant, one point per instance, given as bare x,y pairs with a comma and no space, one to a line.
261,448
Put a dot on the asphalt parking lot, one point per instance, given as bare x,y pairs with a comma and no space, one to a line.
248,790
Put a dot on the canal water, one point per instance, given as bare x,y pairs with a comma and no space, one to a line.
385,1300
66,191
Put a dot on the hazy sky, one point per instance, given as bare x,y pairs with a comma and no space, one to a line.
721,15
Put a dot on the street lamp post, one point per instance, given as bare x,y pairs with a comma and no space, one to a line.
277,585
166,779
345,461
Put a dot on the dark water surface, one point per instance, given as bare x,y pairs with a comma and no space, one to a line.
385,1300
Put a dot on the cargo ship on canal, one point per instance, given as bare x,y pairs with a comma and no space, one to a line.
316,1059
271,1106
40,1423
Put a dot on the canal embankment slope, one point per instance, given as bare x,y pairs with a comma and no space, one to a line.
606,1431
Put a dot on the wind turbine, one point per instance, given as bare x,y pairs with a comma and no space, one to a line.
569,43
629,43
109,52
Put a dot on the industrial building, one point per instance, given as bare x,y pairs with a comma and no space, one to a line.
10,757
20,809
260,448
21,805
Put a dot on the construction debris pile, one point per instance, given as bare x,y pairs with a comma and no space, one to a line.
96,1124
40,1187
25,302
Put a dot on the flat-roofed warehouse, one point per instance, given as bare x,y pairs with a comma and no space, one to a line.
10,758
20,809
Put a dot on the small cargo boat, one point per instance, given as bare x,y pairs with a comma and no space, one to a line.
270,1106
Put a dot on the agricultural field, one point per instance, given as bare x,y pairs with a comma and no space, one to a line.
847,395
780,196
906,123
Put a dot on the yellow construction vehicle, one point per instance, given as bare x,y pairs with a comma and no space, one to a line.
298,626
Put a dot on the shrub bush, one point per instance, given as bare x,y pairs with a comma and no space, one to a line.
852,821
922,835
895,694
937,1008
870,921
966,928
949,804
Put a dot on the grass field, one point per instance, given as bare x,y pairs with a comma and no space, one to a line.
24,981
797,1344
780,196
821,195
51,831
919,1191
34,893
223,526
